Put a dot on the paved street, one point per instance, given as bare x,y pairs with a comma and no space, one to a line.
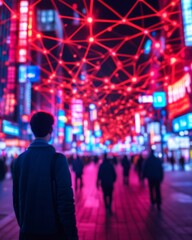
132,218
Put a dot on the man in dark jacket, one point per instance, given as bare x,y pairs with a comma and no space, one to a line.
107,177
41,212
153,171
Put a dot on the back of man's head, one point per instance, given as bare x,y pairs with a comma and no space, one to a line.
41,124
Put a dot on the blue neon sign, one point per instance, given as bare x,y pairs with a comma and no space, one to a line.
187,21
182,123
10,128
29,73
159,99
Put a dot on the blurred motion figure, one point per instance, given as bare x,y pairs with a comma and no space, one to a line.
106,177
153,171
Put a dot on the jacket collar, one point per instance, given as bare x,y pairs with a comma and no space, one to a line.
39,143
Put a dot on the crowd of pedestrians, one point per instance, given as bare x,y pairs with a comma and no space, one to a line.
42,183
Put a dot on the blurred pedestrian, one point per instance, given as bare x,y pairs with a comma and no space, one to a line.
106,178
182,163
126,164
172,161
153,171
78,169
139,166
2,169
42,192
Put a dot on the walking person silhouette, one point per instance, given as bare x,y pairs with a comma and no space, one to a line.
106,178
153,171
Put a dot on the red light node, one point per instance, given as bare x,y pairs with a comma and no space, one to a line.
146,31
123,20
51,90
74,55
129,89
134,79
152,73
38,35
157,45
174,23
106,80
89,19
84,60
91,39
173,60
74,6
164,15
45,51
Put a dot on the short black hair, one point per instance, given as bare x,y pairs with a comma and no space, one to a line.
41,123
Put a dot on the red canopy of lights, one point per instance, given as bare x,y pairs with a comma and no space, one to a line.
100,57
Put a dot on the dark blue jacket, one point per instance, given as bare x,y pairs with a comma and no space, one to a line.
106,174
32,192
153,169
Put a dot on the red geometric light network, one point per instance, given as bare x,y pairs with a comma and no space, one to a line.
99,56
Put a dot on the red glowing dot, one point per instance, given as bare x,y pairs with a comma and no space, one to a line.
129,89
157,45
173,60
91,39
89,19
38,35
134,79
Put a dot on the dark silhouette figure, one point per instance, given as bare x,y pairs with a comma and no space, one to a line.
2,169
106,177
172,161
126,164
78,169
153,171
42,190
114,160
139,166
96,159
182,163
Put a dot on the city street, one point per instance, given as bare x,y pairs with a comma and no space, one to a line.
132,218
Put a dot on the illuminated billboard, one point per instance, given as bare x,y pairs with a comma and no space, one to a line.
182,123
159,99
179,96
10,128
186,6
29,73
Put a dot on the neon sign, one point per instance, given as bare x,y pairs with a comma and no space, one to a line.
179,89
179,96
182,123
159,99
23,31
187,21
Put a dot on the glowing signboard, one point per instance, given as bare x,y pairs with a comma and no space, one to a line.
182,123
159,99
10,128
186,6
179,96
